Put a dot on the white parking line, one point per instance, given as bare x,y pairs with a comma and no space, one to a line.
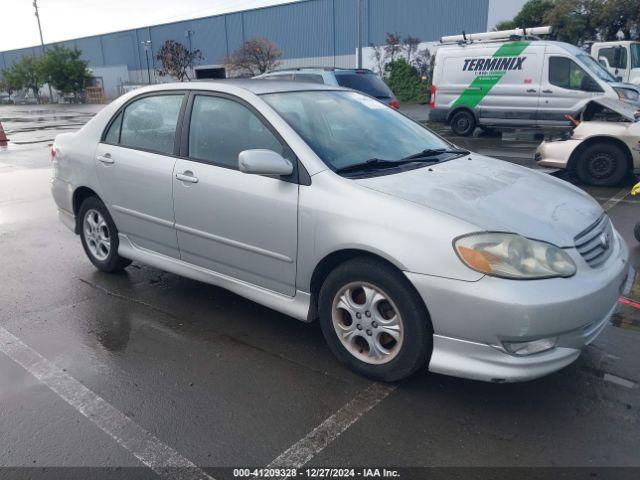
147,448
617,198
330,429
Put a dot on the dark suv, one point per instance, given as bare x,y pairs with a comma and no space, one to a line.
359,79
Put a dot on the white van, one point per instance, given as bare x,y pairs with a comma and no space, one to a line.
622,59
515,82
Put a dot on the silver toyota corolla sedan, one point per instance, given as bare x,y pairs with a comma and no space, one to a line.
323,203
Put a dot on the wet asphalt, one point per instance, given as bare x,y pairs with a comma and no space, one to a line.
227,383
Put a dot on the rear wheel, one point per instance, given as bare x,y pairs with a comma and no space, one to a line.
602,164
374,321
463,123
99,236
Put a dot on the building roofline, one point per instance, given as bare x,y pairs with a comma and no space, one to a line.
133,29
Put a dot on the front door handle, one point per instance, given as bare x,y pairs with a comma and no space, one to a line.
547,91
187,176
106,158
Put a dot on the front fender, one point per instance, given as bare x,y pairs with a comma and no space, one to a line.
337,214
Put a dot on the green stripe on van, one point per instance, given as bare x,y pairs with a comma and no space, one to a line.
482,84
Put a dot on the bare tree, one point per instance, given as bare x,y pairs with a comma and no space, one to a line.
176,60
255,56
393,46
378,55
410,45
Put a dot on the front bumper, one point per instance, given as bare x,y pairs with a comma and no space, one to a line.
556,153
472,319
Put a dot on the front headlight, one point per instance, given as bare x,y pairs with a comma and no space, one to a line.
627,95
508,255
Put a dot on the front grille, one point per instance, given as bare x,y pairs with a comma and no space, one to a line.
595,244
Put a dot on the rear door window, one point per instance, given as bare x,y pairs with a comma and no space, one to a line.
113,134
150,123
308,77
366,82
280,76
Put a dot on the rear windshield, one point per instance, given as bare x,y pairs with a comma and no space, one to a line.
366,82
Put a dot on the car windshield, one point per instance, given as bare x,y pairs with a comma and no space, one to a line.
635,55
366,82
348,128
594,67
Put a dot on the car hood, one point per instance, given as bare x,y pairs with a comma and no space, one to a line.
623,109
496,196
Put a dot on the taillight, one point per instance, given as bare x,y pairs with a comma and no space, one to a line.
394,104
53,153
432,103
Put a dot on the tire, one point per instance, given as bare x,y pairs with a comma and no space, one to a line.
636,231
376,291
602,164
99,236
463,123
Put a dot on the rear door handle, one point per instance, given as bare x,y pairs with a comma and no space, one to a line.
187,177
547,91
532,90
106,158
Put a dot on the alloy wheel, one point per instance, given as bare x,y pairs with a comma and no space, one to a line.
96,234
367,323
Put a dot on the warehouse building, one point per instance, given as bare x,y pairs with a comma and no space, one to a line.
308,32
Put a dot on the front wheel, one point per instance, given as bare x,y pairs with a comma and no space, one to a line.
463,123
602,165
374,321
99,236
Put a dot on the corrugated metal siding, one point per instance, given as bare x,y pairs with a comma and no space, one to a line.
302,29
210,38
120,49
309,29
235,33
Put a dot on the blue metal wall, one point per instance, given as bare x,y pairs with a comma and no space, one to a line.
310,28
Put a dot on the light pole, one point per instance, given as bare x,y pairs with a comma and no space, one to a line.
35,6
359,13
188,34
147,45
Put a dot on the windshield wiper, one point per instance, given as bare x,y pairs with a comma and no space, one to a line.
372,163
425,156
434,152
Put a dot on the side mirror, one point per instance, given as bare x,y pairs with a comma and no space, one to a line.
264,162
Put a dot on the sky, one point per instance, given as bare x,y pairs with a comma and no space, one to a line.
67,19
500,10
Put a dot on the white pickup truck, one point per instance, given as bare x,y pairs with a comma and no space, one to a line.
621,58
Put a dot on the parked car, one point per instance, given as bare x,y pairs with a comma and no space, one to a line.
360,79
525,83
604,146
620,58
321,202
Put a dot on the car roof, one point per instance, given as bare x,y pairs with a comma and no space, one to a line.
318,69
256,86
